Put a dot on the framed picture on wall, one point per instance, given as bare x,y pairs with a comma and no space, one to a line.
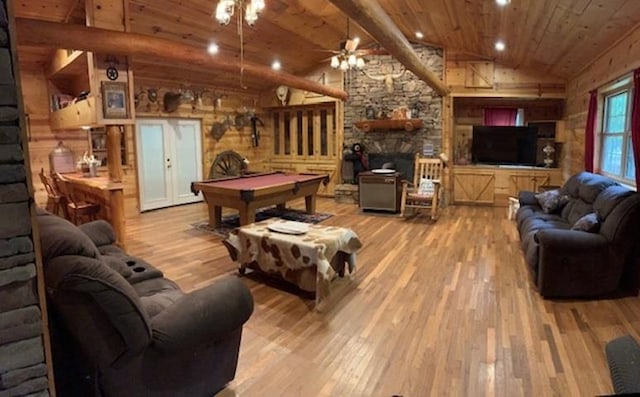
114,100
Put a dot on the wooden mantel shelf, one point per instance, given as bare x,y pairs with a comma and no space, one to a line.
389,124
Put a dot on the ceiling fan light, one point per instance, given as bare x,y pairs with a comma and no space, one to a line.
213,48
250,15
360,63
224,10
258,5
352,60
344,66
335,62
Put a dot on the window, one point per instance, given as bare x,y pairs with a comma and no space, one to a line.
616,153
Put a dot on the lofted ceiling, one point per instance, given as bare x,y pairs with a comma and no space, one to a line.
557,37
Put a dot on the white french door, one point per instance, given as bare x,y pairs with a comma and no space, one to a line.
169,157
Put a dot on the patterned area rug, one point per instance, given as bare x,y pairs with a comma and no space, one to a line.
230,222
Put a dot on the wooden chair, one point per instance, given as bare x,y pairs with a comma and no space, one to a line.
424,192
55,200
77,209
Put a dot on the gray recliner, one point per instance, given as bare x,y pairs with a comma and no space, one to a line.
119,328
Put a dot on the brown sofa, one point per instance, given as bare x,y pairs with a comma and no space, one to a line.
119,328
566,262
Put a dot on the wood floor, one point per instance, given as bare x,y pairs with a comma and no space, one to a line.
433,310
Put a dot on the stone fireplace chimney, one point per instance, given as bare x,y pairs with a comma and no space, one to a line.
384,86
22,359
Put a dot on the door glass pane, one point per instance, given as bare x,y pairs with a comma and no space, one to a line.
631,167
612,154
310,132
323,133
616,112
153,161
287,133
299,132
185,165
276,133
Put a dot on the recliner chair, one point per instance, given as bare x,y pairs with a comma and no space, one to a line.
119,328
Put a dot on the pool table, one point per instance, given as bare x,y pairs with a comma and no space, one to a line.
249,193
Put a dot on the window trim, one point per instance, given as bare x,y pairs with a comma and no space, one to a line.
623,84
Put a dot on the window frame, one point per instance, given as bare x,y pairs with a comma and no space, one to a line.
624,84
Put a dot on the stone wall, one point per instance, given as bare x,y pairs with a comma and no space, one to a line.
387,89
22,364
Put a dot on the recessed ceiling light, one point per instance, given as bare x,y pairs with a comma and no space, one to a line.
500,45
276,65
213,48
503,2
419,35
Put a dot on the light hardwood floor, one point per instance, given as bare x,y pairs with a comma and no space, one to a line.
444,309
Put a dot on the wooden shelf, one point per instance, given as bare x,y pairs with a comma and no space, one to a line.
389,124
82,113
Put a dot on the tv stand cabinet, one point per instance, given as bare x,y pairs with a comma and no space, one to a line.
493,184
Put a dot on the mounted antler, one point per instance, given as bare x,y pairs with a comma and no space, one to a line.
387,78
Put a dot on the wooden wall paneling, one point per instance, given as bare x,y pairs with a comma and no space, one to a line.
621,58
238,140
479,74
507,81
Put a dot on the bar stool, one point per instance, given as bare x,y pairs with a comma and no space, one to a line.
76,209
55,200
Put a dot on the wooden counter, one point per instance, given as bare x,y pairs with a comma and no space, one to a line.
108,194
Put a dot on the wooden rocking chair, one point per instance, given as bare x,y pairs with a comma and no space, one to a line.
424,192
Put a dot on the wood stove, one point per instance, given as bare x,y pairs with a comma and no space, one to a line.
380,191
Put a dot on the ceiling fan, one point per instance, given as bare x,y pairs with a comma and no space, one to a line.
348,56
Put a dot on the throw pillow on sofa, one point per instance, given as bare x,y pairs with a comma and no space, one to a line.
588,223
552,200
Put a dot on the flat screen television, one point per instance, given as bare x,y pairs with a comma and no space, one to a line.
504,145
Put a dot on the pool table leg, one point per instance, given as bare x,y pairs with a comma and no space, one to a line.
247,215
310,203
215,215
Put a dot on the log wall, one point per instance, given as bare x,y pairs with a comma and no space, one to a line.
621,58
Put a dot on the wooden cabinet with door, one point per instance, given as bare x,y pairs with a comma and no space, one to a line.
473,186
493,185
307,138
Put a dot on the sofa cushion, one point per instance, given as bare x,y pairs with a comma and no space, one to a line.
542,221
116,263
100,232
576,209
552,200
588,223
60,237
609,198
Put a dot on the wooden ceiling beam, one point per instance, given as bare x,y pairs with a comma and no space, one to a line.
372,18
78,37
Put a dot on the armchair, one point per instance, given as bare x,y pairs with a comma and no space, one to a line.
119,328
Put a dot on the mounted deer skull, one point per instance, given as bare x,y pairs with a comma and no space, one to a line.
387,78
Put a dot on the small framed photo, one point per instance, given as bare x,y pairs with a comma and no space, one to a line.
114,100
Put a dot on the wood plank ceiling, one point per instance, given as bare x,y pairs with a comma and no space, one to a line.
558,37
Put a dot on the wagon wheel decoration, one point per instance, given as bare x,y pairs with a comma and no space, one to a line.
227,163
